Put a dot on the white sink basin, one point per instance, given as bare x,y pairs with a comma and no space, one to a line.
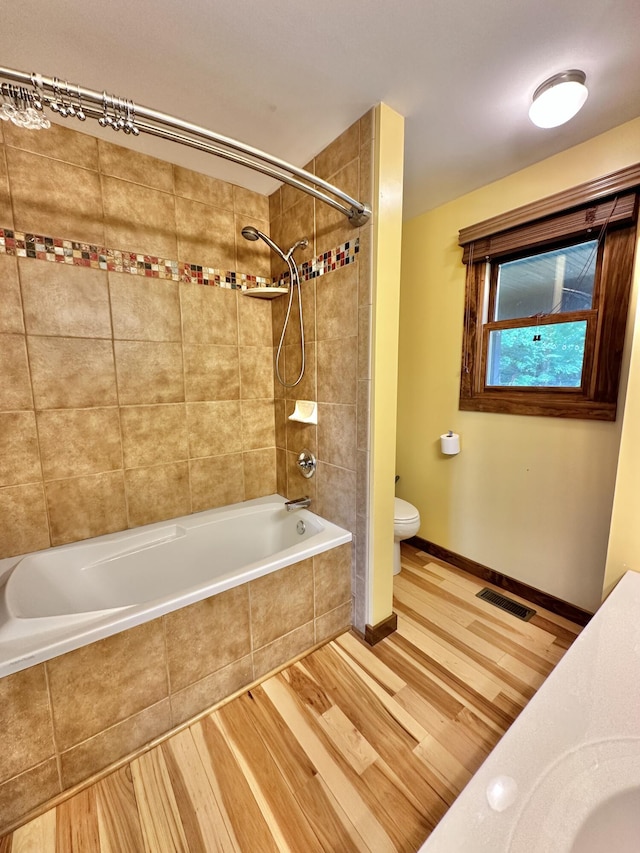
614,825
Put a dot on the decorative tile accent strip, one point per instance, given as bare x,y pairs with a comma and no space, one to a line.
77,254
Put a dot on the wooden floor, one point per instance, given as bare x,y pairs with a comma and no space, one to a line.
352,748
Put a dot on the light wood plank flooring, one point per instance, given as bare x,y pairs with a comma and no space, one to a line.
351,749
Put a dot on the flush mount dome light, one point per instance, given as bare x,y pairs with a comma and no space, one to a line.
558,99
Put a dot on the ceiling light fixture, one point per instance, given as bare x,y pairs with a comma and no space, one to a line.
559,98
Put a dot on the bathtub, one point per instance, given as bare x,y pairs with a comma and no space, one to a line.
57,600
565,778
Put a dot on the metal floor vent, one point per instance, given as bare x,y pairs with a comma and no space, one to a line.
504,603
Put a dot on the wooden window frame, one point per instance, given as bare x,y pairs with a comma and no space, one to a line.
606,208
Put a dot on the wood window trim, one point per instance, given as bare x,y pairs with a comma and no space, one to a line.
611,201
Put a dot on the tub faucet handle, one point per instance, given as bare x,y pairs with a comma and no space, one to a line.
298,503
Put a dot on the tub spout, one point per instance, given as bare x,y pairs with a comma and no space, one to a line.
298,503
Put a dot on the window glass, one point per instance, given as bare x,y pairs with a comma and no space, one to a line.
547,283
546,356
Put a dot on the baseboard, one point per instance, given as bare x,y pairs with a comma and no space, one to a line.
535,596
374,633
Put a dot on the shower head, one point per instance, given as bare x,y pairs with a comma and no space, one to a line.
250,233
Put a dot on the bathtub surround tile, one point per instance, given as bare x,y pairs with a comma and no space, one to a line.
281,601
256,372
281,409
79,441
291,195
275,204
207,636
71,373
337,370
209,315
253,256
64,300
144,309
214,428
205,234
332,578
193,185
364,389
251,203
296,225
337,495
25,721
254,320
337,434
306,389
102,684
82,507
139,219
157,493
284,649
118,741
332,228
362,483
258,424
211,373
6,211
337,304
24,525
259,473
23,793
149,372
216,481
299,435
339,153
364,342
195,698
153,435
333,622
58,143
119,162
15,388
10,299
19,457
281,472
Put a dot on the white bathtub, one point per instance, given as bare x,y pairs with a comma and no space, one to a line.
57,600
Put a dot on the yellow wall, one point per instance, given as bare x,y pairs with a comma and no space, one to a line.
387,236
530,497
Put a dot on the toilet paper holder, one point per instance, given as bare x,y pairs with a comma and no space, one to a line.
450,443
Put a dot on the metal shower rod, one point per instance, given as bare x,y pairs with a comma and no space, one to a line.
123,114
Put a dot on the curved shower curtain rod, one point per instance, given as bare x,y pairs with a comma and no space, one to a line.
123,114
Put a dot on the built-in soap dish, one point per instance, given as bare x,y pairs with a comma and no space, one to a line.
265,292
305,412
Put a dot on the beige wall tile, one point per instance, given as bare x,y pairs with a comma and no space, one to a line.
292,334
329,624
282,410
254,322
10,302
82,761
259,473
72,372
256,372
216,481
119,162
209,315
258,424
366,173
19,457
59,143
252,257
250,203
55,198
364,264
25,721
6,211
338,153
24,525
197,697
282,650
64,300
79,441
203,188
207,636
23,793
275,204
364,343
144,309
149,372
337,495
15,388
300,435
332,578
152,435
214,428
211,373
205,234
82,507
337,303
157,493
338,370
306,389
281,601
139,219
296,225
362,483
101,684
364,386
367,127
291,195
332,227
281,471
337,434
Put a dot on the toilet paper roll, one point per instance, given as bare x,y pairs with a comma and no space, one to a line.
450,443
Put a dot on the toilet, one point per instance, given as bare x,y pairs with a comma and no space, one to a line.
406,523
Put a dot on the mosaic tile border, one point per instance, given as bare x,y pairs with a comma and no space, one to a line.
58,250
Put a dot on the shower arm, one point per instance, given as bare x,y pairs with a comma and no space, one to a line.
96,104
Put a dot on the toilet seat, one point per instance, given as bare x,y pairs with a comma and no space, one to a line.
404,512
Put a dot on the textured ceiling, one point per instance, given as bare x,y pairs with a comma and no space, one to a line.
288,76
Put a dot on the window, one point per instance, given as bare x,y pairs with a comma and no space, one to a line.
547,296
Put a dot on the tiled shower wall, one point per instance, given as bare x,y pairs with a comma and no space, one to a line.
337,321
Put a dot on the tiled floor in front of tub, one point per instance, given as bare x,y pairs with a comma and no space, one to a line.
352,748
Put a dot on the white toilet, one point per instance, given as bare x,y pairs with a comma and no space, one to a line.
406,523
